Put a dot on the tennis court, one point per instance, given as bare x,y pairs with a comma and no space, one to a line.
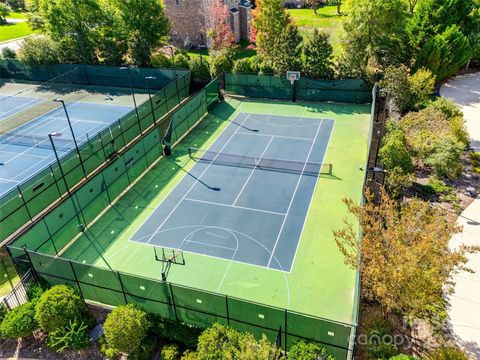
27,150
247,197
11,105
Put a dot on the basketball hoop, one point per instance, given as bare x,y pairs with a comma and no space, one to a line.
293,76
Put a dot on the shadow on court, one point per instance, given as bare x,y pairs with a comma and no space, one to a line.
99,237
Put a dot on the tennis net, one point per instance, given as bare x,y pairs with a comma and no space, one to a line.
38,141
288,166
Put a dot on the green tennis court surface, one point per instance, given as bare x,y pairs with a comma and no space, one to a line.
318,282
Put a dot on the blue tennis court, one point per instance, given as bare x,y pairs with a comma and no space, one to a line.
247,196
27,150
11,105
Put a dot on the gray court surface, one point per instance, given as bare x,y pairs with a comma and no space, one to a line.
11,105
242,214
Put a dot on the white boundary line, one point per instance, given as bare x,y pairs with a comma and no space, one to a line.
275,136
251,173
235,207
191,187
311,198
23,105
294,193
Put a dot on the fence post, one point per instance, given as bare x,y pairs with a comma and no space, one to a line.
123,289
228,311
76,279
24,203
34,271
173,301
286,329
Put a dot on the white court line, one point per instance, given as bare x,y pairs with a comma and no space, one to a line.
25,105
234,207
8,180
294,193
207,244
49,156
275,136
311,198
251,173
14,153
191,187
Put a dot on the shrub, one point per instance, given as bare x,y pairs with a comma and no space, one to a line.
422,85
395,81
8,54
146,349
220,62
19,322
58,306
73,336
397,181
170,352
394,152
3,312
445,159
174,331
308,351
403,357
181,61
200,68
4,11
126,328
447,353
377,330
40,50
34,291
160,60
243,66
189,355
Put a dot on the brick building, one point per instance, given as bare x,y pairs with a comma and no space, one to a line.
188,19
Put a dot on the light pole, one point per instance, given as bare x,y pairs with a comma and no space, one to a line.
73,134
133,94
51,136
147,78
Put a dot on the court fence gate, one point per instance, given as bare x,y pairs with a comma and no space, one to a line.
188,305
22,204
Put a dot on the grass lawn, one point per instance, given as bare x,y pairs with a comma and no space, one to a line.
17,15
326,19
12,31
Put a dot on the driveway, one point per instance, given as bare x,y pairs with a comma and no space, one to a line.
464,308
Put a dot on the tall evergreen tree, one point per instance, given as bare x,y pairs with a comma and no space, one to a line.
287,50
317,56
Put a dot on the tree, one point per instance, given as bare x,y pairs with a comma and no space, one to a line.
374,33
146,25
411,5
4,11
395,237
40,50
433,17
219,31
287,50
445,53
269,21
314,4
125,329
317,56
74,25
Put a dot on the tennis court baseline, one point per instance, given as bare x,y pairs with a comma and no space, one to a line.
247,197
11,105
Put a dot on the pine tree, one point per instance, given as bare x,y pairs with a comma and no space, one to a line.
287,50
317,56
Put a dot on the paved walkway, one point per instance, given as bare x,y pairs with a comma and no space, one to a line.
464,308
